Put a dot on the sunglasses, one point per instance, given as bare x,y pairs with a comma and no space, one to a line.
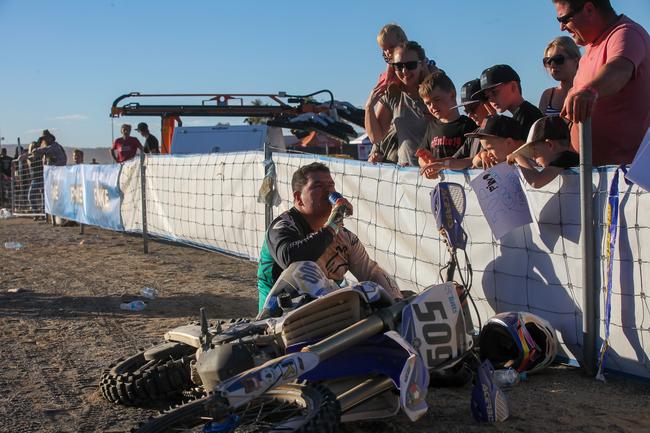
558,59
565,19
399,66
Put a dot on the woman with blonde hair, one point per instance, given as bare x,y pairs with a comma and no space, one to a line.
561,58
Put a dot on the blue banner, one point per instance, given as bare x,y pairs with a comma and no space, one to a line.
88,194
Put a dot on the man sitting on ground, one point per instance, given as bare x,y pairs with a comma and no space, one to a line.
548,145
313,230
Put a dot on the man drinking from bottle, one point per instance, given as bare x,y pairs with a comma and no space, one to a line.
313,230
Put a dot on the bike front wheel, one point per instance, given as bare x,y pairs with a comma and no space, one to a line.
287,408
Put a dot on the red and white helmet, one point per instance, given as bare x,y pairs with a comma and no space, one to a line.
521,340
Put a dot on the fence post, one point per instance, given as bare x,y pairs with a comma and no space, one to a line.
145,241
13,186
268,205
589,289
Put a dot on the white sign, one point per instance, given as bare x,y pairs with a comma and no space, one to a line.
638,172
502,199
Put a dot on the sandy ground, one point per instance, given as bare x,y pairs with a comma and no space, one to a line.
64,327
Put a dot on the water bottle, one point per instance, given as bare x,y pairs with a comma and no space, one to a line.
149,292
334,197
5,214
507,377
133,306
13,245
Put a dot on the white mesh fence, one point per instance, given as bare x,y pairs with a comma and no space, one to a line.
210,201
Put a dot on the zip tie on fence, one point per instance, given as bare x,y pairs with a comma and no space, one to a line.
612,230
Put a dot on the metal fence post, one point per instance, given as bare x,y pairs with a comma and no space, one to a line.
145,241
589,290
14,175
268,205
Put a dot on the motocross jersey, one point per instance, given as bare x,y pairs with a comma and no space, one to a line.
290,239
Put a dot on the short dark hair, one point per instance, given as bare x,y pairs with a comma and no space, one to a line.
299,179
602,5
436,79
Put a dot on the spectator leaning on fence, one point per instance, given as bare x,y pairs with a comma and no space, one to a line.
549,147
477,110
561,58
612,85
502,87
499,137
125,147
313,230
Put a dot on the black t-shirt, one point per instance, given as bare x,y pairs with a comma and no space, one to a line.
471,146
151,145
444,139
526,114
566,159
5,165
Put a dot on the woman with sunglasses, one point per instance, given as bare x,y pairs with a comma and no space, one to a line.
401,104
561,59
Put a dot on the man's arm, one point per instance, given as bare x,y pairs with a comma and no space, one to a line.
611,78
536,179
287,245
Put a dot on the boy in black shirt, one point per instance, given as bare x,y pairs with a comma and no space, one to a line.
501,85
549,146
445,134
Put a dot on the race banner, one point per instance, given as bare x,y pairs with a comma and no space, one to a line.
88,194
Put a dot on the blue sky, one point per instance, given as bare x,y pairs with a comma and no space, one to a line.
62,63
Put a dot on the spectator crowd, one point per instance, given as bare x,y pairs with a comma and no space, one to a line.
412,117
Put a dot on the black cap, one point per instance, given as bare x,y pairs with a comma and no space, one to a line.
498,126
546,128
467,92
142,127
497,74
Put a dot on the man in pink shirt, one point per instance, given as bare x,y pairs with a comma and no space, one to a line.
125,147
612,85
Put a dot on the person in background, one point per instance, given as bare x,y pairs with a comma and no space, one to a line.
5,175
477,110
612,85
78,156
94,161
125,147
35,192
500,136
150,142
313,230
502,87
49,148
401,104
561,58
548,146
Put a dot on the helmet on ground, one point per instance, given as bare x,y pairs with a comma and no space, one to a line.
521,340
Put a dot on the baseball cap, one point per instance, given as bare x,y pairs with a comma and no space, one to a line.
546,128
498,126
495,75
142,126
467,91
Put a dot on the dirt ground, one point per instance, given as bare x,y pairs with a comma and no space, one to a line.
64,326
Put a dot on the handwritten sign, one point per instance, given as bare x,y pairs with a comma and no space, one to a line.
502,199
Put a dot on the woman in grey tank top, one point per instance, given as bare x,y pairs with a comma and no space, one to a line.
401,104
561,58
